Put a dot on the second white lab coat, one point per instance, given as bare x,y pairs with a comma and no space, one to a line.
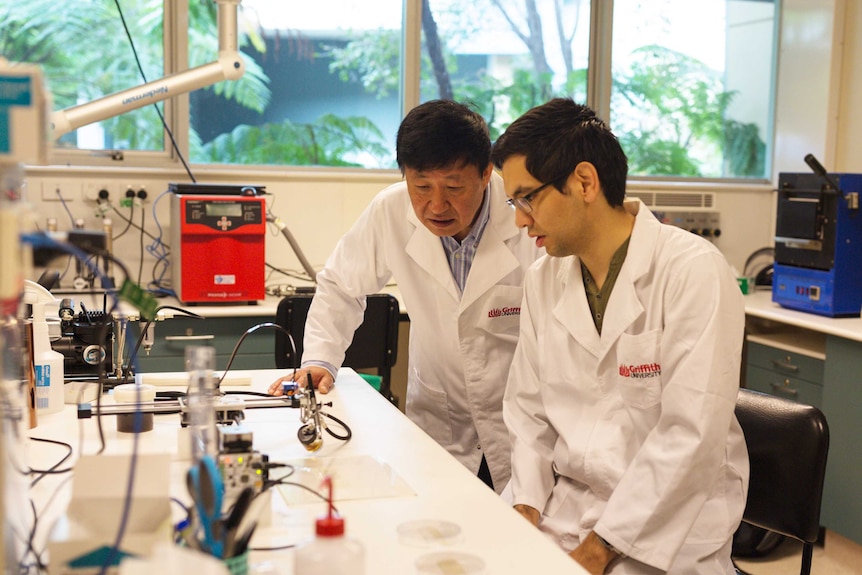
632,432
461,345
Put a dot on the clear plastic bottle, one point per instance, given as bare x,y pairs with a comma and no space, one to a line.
48,366
330,552
200,361
47,363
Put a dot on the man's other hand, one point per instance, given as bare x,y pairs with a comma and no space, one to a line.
321,379
593,555
531,514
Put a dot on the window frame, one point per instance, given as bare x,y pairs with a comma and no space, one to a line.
176,110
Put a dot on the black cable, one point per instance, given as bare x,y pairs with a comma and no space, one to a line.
134,355
269,465
31,548
348,432
100,253
253,393
30,542
185,507
53,469
102,335
306,487
248,332
276,465
99,393
65,206
288,273
343,425
158,111
141,263
280,548
282,481
69,261
129,222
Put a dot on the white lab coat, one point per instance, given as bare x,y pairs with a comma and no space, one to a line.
632,433
461,346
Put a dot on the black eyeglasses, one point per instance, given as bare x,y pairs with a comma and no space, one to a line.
523,203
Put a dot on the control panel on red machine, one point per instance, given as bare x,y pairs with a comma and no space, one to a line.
218,245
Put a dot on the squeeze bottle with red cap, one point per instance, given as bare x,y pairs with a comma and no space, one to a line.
330,552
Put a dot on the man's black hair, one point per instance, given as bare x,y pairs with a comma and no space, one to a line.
556,136
441,134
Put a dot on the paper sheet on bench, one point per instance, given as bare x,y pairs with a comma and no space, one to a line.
355,477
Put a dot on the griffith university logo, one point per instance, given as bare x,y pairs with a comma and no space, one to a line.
504,311
640,371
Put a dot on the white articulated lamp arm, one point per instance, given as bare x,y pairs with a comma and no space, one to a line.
229,66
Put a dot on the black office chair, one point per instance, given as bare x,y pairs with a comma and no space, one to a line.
787,447
375,343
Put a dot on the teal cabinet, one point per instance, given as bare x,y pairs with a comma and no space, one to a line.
842,405
785,373
172,336
823,370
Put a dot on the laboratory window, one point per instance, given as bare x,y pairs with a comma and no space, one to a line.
687,86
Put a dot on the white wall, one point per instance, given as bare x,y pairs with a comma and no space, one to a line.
809,83
819,72
848,153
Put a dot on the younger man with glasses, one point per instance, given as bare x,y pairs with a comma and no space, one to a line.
620,400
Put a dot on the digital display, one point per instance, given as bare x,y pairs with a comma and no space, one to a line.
231,210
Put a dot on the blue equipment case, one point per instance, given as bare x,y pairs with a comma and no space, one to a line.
818,245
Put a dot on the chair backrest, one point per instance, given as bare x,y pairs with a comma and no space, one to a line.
787,447
375,342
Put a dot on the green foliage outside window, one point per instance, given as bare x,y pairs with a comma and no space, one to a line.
687,128
330,141
688,109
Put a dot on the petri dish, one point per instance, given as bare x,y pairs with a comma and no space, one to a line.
449,563
429,533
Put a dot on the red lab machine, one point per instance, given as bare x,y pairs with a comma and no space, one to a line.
218,243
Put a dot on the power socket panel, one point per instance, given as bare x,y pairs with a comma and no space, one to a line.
69,191
117,191
91,190
137,188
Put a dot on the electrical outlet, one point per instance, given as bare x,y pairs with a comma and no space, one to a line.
92,189
138,189
68,190
142,194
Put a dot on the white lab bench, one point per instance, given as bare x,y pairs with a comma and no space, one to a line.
434,486
816,360
810,358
